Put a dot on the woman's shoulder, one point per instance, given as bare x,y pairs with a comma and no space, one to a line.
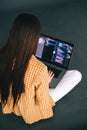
34,69
35,66
36,62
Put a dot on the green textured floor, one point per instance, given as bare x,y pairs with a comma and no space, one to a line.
66,21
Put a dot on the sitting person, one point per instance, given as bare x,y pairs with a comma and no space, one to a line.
24,80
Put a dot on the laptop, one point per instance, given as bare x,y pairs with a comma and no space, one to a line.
55,54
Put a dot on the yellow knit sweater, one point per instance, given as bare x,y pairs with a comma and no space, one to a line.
35,103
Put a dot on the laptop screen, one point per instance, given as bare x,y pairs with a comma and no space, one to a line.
54,51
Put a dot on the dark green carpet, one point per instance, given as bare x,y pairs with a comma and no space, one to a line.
66,21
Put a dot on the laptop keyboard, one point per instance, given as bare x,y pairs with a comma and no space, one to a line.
55,71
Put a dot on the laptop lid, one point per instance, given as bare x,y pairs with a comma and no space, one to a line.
54,51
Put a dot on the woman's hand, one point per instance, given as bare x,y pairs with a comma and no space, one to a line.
51,75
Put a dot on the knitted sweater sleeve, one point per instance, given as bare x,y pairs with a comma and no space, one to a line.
43,98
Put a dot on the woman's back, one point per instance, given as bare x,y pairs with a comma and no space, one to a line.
35,103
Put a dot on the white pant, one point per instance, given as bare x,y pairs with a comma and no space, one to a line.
68,82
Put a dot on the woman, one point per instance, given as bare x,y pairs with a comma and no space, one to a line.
24,80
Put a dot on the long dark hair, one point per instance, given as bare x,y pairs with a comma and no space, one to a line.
14,56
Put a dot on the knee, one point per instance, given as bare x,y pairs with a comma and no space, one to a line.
78,75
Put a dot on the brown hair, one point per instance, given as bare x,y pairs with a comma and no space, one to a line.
21,44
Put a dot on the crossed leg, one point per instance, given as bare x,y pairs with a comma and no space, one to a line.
68,82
